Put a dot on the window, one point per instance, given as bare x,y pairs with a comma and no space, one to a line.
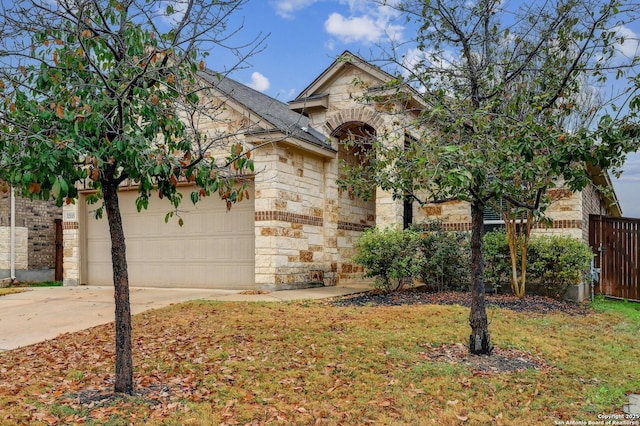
492,219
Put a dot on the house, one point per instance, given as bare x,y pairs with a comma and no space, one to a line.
30,239
296,226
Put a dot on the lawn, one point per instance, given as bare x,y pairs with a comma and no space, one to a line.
310,362
9,290
20,287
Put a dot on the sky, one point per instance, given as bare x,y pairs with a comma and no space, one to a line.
305,36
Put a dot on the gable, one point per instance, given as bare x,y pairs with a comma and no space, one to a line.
315,97
350,78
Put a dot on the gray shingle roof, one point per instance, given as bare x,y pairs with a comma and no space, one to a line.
270,109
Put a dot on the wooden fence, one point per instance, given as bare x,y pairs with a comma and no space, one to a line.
616,243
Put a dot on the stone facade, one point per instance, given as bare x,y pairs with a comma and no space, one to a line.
289,216
305,226
569,213
21,247
35,242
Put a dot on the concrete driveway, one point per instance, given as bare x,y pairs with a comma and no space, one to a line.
40,314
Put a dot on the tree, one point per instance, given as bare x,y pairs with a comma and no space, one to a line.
99,92
500,84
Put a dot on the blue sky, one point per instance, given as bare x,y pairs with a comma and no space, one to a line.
305,36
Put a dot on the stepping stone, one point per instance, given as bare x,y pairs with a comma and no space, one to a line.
633,407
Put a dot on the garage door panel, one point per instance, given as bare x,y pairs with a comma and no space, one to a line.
214,248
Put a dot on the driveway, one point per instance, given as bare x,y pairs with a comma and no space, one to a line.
40,314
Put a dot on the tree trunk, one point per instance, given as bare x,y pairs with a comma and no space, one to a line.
479,341
124,357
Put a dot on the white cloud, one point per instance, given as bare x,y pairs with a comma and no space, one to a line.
630,47
330,45
364,24
286,8
437,60
353,29
259,82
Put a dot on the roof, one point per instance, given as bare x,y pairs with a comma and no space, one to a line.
270,109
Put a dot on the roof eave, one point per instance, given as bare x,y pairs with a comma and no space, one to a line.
602,179
261,137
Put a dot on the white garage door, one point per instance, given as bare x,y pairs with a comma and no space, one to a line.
213,249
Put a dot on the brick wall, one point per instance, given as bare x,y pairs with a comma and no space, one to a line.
592,204
38,218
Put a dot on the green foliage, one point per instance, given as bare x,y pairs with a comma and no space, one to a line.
394,256
554,262
96,94
104,97
497,272
389,255
444,258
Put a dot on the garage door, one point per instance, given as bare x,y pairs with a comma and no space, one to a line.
213,249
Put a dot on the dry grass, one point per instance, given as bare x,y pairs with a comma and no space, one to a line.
311,363
9,290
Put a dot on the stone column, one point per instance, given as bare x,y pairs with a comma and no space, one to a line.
330,228
71,244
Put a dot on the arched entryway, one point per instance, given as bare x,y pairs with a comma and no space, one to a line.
355,214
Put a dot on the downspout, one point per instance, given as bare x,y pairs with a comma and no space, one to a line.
12,237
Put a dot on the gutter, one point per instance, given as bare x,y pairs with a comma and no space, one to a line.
12,248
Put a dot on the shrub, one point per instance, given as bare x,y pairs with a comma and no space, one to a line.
444,259
554,263
389,255
397,256
497,263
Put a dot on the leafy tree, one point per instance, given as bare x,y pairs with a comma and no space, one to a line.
96,93
500,84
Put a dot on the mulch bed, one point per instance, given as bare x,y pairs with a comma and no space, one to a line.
500,360
417,296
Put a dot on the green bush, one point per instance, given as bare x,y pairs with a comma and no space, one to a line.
444,258
389,255
553,263
497,263
397,256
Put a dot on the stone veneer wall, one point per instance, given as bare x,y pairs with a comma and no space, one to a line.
345,109
21,246
354,216
290,217
567,212
35,232
71,237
